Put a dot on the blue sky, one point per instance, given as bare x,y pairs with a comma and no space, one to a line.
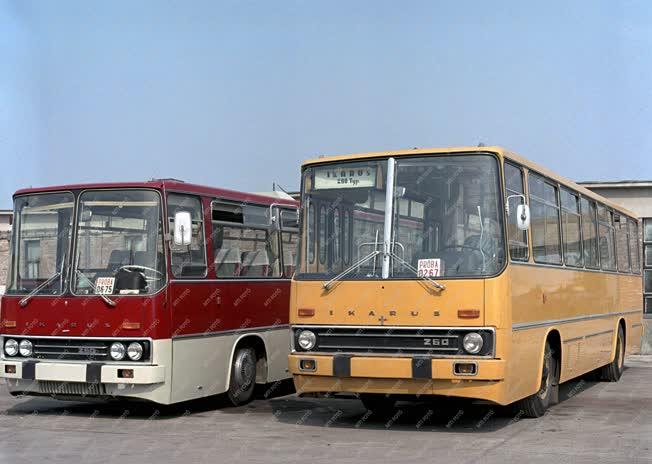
236,94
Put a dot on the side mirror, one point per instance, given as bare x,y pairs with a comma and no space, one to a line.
523,217
182,228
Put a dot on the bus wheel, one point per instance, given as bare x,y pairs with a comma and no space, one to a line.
537,404
612,371
243,376
379,404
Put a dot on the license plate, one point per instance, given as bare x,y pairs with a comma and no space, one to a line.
429,267
104,285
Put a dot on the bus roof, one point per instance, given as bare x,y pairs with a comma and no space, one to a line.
500,151
171,185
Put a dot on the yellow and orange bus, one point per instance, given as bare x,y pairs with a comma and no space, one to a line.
463,272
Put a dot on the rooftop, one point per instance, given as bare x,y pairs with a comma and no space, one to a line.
616,183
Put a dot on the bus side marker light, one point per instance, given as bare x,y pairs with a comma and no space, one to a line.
10,369
308,365
125,373
306,312
468,313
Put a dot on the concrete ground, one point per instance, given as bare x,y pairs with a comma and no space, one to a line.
595,422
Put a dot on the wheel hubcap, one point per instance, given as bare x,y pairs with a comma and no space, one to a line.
245,369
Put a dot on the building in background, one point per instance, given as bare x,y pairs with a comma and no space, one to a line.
5,233
636,196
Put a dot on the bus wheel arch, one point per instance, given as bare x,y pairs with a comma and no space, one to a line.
623,324
553,338
614,370
536,404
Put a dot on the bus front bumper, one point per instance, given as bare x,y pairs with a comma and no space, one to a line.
398,375
97,373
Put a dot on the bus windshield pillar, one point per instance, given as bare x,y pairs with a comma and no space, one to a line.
389,207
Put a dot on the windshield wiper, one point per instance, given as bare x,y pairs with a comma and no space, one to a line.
29,296
434,283
108,300
328,285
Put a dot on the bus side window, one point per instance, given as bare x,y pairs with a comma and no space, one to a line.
622,243
607,239
188,261
244,242
546,241
634,246
590,234
570,215
517,239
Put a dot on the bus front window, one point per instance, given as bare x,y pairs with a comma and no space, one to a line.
446,218
40,242
343,219
119,243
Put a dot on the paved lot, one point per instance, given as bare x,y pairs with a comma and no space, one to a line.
596,422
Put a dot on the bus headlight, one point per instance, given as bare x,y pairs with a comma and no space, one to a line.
472,342
25,347
117,351
11,347
135,351
307,340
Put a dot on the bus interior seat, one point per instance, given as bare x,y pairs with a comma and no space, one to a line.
255,263
228,262
288,262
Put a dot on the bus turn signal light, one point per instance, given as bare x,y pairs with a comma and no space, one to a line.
125,373
468,313
306,312
308,365
131,325
466,368
10,369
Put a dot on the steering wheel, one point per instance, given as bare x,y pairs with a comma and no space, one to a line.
137,267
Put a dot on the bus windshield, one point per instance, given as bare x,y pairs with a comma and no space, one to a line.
119,248
446,218
40,242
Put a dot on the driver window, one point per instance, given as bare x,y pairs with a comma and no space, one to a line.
517,239
188,261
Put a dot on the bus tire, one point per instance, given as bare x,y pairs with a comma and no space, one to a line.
537,404
614,370
243,376
379,404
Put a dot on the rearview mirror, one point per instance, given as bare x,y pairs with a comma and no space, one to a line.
523,217
182,228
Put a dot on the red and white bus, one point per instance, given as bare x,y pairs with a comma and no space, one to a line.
162,290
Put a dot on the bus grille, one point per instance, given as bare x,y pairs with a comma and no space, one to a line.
78,349
70,349
393,340
50,387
